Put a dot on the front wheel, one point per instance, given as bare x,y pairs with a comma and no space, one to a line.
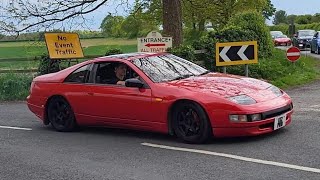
60,115
190,123
317,50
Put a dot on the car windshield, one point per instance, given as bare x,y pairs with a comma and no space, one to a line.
281,36
306,33
168,68
276,33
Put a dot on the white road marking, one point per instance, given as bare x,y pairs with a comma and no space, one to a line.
241,158
16,128
241,52
309,109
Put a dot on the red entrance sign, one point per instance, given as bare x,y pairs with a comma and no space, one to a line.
293,54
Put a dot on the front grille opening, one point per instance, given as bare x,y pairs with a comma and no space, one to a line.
277,112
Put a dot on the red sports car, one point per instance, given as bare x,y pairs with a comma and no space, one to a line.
158,92
282,40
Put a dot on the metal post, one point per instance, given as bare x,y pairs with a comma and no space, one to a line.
224,69
246,70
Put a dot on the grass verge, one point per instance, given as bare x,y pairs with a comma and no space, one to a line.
14,86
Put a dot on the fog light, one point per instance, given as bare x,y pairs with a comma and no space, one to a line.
255,117
238,118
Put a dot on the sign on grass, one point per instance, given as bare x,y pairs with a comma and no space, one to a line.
63,45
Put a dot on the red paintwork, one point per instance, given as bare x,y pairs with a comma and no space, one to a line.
106,105
281,41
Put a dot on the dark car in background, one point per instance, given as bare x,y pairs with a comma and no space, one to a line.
315,43
302,39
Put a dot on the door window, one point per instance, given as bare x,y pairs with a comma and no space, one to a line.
81,75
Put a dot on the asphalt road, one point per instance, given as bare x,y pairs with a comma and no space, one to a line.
39,152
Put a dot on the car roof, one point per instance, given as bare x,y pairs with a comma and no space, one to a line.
306,30
127,56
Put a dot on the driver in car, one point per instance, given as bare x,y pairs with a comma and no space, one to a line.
120,71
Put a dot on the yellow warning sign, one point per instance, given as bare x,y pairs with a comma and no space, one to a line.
63,45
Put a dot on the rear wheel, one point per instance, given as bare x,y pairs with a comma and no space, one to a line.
311,50
190,123
60,115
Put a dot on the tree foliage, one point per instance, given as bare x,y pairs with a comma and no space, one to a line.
280,17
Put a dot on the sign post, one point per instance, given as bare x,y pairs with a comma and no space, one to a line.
236,53
154,42
293,54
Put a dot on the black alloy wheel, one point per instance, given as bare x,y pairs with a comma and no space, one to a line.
190,123
60,115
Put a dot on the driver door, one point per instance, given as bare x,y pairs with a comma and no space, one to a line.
120,105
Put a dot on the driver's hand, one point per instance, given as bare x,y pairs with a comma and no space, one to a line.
121,83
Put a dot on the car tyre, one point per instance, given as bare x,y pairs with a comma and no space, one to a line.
317,50
191,123
60,115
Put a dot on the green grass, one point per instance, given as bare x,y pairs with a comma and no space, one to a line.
304,71
84,42
32,51
29,50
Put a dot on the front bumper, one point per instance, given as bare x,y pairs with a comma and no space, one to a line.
303,45
282,43
255,128
270,110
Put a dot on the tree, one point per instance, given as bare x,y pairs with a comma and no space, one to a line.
304,19
172,20
111,26
291,19
225,9
280,17
268,10
316,18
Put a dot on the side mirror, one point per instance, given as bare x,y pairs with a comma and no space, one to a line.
134,83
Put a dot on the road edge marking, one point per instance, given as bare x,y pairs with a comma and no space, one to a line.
16,128
230,156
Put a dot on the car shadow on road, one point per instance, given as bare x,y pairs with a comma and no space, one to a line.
165,138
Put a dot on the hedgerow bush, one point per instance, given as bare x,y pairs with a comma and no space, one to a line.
14,86
113,51
47,65
254,22
285,27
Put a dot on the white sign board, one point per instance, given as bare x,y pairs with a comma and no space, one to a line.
154,42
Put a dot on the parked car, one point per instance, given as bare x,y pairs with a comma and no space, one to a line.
302,39
274,34
315,43
282,40
162,93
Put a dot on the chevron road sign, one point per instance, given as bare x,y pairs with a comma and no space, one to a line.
235,53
